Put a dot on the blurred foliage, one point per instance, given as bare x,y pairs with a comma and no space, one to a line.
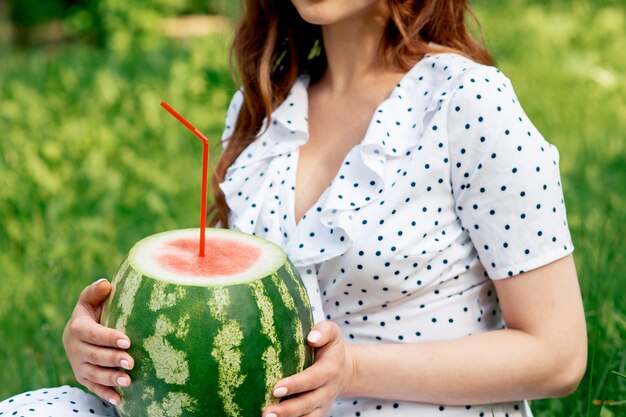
31,12
118,24
89,162
83,133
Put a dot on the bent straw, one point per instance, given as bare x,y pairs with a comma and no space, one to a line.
205,159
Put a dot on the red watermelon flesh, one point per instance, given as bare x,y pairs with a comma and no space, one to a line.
222,257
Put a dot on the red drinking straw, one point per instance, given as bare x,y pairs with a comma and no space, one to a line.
205,162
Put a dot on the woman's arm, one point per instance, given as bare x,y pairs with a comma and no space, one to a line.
542,353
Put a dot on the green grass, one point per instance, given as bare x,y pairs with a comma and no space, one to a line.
89,163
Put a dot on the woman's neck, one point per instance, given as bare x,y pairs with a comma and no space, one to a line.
353,51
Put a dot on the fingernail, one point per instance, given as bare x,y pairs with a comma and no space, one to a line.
314,336
101,280
123,343
113,401
122,381
280,392
271,415
124,364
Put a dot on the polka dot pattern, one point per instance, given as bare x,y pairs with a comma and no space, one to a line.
452,187
366,408
56,402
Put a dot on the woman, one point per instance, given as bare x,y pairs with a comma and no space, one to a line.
372,140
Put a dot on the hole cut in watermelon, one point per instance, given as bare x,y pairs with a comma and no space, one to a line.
230,257
222,257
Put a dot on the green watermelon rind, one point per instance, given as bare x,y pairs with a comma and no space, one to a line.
209,350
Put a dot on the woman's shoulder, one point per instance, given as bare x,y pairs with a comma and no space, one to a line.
452,66
442,75
443,90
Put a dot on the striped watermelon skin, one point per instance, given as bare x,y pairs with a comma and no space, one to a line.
209,350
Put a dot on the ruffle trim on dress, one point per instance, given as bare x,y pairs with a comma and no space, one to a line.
256,174
287,131
396,128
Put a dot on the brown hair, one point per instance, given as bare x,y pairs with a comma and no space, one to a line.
273,45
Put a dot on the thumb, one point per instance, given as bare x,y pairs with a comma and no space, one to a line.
324,333
93,295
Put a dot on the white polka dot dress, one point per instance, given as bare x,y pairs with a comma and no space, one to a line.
56,402
452,187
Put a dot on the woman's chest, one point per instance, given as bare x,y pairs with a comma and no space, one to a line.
396,204
404,207
386,222
334,128
407,241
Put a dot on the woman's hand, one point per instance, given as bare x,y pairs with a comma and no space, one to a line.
317,386
94,351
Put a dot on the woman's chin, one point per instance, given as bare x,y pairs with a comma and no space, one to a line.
327,12
317,12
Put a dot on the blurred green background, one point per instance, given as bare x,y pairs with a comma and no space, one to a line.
89,162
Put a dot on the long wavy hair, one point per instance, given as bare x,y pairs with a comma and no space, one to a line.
273,45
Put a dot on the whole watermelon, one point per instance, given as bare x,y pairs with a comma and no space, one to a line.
210,335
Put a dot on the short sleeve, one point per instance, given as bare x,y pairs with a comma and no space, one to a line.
505,178
231,116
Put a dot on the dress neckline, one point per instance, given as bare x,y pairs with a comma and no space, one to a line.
257,184
304,79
